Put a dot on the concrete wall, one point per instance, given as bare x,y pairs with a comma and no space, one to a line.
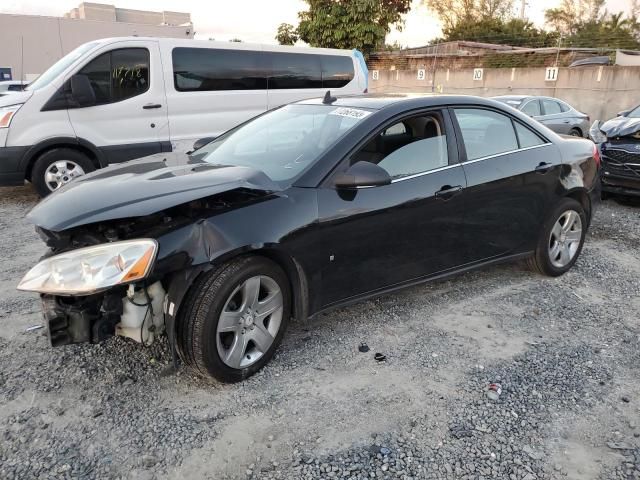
46,39
600,92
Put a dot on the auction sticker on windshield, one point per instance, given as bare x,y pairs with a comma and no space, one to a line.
350,112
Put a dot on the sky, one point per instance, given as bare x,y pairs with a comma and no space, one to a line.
258,20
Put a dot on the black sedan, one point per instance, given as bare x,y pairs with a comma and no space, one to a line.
307,207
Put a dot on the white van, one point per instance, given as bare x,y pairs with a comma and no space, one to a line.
117,99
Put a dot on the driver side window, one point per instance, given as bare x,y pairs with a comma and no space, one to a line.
118,74
412,146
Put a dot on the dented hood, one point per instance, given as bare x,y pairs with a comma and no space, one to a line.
621,127
139,188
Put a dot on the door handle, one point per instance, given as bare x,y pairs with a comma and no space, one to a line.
543,167
149,106
447,191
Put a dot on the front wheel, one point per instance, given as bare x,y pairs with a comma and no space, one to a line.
234,318
561,239
57,167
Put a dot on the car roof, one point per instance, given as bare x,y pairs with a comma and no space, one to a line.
513,98
378,101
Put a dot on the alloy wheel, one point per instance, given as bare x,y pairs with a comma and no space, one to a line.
61,172
249,321
565,239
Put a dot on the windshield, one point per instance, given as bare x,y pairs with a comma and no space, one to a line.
284,142
60,66
635,113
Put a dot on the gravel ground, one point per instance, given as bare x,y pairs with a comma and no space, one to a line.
565,351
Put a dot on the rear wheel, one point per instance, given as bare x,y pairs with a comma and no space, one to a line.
57,167
561,239
234,318
575,132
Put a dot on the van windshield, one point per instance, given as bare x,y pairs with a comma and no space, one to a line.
285,142
60,66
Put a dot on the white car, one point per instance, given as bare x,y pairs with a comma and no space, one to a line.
117,99
10,86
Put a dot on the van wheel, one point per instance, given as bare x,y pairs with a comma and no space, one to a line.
57,167
561,239
234,318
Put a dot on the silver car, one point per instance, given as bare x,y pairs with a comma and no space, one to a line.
559,116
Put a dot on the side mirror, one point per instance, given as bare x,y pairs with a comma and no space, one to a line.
82,91
201,142
623,113
363,174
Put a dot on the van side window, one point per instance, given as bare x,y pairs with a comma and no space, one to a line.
294,70
119,74
337,71
207,69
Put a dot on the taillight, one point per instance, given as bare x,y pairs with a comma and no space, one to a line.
596,155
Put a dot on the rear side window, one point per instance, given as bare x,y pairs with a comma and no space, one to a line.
294,70
526,137
14,88
119,74
206,69
337,71
485,132
532,108
551,107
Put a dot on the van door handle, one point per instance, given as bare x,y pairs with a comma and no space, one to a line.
447,191
149,106
543,167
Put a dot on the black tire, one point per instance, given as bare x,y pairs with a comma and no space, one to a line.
200,312
48,158
541,261
575,132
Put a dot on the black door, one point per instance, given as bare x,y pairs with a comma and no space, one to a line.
513,178
378,237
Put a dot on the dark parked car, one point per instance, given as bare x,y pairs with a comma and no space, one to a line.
307,207
553,113
619,141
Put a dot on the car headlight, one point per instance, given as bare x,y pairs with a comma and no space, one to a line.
91,269
597,135
7,113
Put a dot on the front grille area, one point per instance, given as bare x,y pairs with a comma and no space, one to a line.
622,155
621,163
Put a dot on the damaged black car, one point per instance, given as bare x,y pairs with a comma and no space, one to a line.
311,206
619,141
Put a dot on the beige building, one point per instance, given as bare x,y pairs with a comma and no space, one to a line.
29,44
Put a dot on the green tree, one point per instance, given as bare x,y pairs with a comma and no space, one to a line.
571,14
286,34
514,32
452,13
361,24
585,23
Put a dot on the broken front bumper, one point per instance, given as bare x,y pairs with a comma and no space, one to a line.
82,319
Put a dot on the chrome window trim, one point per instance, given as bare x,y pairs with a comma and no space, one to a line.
446,167
505,153
434,170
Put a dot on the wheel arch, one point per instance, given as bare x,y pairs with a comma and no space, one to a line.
582,197
83,146
179,284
